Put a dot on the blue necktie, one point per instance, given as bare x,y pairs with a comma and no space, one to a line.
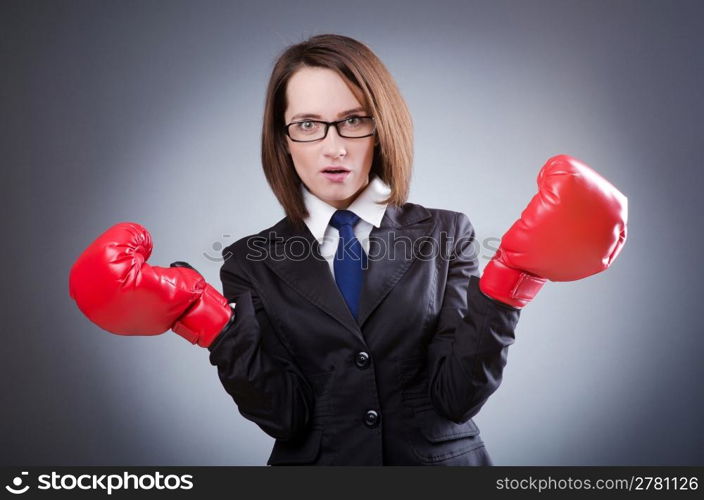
350,259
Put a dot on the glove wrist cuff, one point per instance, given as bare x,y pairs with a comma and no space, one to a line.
206,319
510,286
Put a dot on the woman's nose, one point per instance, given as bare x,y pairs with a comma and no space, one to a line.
333,144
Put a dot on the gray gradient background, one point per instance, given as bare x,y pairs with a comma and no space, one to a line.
151,112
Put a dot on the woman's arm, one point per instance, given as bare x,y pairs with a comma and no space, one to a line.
254,366
467,355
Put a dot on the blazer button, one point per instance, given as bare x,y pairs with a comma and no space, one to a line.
371,418
361,360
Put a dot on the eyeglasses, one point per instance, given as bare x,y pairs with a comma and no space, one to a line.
353,127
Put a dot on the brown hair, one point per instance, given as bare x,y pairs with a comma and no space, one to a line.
372,83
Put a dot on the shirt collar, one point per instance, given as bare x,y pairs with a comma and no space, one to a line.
365,206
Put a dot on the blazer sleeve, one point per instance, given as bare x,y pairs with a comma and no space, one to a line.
468,352
254,366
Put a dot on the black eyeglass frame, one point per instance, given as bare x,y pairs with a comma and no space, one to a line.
327,127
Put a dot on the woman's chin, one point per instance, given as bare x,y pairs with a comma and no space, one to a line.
335,192
337,198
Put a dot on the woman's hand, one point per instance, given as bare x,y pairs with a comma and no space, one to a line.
116,289
575,226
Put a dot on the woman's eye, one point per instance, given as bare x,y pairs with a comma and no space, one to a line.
353,120
307,126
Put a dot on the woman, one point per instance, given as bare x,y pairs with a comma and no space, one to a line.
361,334
390,368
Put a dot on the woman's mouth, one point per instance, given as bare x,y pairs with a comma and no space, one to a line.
335,174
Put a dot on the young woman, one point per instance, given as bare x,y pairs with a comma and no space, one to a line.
358,331
369,371
342,360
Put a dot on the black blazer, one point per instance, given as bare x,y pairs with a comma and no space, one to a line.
397,387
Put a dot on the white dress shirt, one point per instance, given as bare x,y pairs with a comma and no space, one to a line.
365,206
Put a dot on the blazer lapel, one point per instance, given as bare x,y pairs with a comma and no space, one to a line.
295,257
393,248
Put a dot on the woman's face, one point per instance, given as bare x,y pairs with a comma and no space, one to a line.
321,94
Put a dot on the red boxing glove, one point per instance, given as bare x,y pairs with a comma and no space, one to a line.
574,227
117,290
